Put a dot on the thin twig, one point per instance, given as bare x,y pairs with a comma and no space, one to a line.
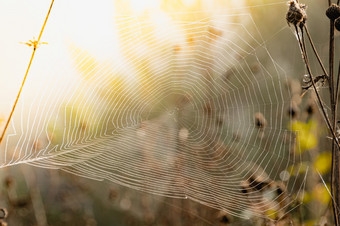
337,86
335,150
324,183
304,54
331,64
331,59
315,52
27,70
335,160
335,155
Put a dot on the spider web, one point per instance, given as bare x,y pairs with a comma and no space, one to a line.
170,110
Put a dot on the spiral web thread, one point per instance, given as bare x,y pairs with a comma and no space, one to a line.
171,113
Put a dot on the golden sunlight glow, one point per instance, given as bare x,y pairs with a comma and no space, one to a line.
143,5
189,2
95,28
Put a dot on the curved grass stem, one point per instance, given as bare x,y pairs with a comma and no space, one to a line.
25,77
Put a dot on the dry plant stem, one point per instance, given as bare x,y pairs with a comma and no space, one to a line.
304,55
335,153
27,70
331,63
16,100
315,52
335,180
337,88
335,173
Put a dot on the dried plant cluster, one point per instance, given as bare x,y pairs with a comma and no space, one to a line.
297,17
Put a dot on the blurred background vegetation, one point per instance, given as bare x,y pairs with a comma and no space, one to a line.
35,196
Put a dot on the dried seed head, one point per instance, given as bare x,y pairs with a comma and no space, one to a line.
296,13
258,183
293,110
280,188
3,213
245,187
337,24
21,203
311,108
8,182
333,12
260,121
303,7
224,218
113,194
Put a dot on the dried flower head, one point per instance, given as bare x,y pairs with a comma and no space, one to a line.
3,213
333,12
260,121
296,13
224,218
293,110
311,108
258,183
8,182
337,24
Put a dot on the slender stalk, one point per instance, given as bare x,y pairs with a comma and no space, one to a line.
334,93
334,163
335,174
304,54
315,51
337,88
331,64
335,180
35,45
